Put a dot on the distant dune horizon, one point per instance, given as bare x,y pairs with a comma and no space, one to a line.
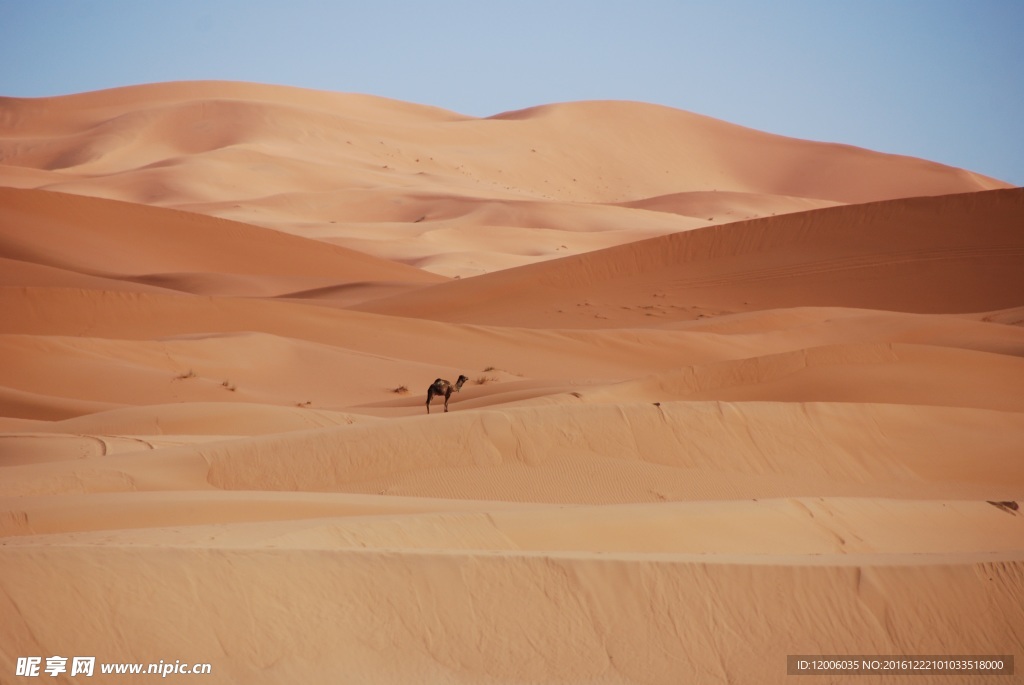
732,396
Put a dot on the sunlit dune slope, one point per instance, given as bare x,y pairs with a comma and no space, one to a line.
133,244
119,131
416,183
157,349
957,253
395,617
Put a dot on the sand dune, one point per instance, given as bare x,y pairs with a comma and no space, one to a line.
310,162
626,630
939,255
177,250
726,204
889,373
731,396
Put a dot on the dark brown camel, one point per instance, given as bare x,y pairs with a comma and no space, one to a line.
443,387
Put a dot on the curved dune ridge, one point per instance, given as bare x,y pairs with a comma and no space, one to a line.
416,184
956,253
731,396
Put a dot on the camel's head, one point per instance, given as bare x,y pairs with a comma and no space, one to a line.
458,383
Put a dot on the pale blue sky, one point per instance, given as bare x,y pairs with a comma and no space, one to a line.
939,79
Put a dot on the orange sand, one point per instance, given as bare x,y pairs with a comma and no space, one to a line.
732,396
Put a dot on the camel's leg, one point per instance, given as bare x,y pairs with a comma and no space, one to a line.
430,396
447,395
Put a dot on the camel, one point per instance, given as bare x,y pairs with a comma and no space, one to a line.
443,387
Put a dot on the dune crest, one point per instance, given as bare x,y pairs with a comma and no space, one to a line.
343,167
948,254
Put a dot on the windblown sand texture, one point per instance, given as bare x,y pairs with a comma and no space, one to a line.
732,396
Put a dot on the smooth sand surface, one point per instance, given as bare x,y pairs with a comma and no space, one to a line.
731,396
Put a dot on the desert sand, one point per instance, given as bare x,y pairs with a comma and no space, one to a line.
732,396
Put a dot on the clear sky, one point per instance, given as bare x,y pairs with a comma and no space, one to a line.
939,79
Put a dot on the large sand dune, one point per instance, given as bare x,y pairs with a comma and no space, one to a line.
944,254
452,194
732,396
